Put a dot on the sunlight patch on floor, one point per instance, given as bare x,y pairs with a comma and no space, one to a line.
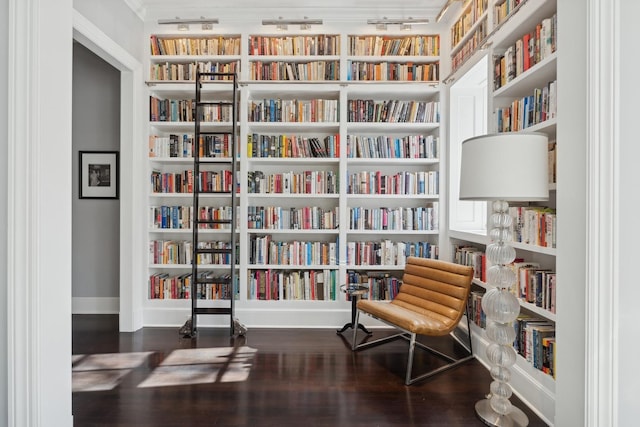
202,365
99,372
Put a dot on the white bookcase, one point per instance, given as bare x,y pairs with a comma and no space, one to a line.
530,384
406,71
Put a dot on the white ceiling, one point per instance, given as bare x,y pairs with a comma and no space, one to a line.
288,9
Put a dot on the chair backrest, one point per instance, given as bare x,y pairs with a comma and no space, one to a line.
435,288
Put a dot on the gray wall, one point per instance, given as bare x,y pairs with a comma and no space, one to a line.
4,24
96,224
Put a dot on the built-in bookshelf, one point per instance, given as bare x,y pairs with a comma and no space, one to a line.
291,141
294,58
468,32
176,58
520,39
393,58
306,135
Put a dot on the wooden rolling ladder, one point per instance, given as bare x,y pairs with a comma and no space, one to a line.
201,279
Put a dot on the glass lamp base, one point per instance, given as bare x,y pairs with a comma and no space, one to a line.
516,418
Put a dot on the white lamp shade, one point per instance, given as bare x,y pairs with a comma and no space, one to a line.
510,167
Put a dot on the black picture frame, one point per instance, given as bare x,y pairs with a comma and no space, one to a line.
99,174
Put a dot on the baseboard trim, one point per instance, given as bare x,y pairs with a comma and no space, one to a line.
93,305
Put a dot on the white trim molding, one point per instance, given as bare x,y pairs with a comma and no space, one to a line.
132,190
603,197
39,238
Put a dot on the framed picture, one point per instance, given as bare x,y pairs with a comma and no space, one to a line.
99,175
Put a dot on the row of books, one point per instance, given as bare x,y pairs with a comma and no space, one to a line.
264,250
476,313
295,71
534,225
503,10
184,146
319,44
469,17
421,218
175,252
310,285
218,45
535,341
534,337
166,286
284,146
553,162
381,284
473,257
469,47
184,182
294,110
171,71
420,45
526,52
303,218
411,183
304,182
529,110
183,110
391,147
392,71
393,111
533,284
180,217
388,252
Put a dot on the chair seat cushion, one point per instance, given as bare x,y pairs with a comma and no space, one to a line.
421,321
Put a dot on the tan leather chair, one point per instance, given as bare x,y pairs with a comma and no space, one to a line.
431,301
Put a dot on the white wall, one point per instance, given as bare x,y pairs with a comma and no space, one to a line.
571,202
4,24
96,226
117,21
628,296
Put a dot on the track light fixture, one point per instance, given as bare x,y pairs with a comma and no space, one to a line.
183,24
405,23
283,24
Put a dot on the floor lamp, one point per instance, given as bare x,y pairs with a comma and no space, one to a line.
501,168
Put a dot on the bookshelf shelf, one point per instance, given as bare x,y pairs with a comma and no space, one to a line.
352,232
537,76
482,20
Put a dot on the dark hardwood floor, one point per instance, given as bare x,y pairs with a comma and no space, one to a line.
271,377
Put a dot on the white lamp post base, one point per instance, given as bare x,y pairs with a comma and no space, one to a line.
515,418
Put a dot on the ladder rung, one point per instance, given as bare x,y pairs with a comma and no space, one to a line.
205,103
214,192
212,221
212,251
212,161
216,280
216,133
212,310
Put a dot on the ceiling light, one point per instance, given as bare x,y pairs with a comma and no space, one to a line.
283,24
405,23
183,24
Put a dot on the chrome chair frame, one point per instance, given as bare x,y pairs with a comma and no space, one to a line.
411,337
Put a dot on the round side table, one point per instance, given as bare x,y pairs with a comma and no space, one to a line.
354,291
